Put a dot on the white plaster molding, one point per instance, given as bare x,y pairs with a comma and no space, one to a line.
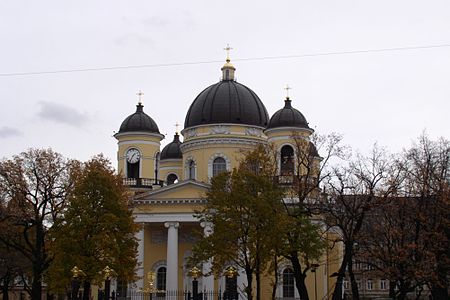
292,129
201,144
164,217
142,142
253,131
219,129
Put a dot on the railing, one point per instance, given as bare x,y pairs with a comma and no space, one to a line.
176,295
142,182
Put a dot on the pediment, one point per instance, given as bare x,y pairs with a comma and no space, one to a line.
186,190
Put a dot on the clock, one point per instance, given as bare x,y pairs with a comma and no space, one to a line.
133,155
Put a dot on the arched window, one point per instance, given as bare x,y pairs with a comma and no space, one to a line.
287,160
161,278
171,179
191,170
288,283
219,166
157,158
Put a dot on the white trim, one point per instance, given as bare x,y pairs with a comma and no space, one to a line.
164,217
235,141
288,128
170,168
139,142
134,133
222,124
172,160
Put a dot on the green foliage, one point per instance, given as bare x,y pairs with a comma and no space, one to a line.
97,229
245,208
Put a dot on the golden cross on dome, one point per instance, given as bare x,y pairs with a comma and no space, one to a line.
228,48
176,127
287,88
140,94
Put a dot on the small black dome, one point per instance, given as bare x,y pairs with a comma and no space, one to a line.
139,121
227,102
172,150
288,117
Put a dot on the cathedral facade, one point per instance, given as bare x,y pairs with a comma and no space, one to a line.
167,186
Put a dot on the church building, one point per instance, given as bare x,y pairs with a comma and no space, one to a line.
168,185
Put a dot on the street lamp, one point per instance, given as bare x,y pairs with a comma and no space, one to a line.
195,273
151,285
77,274
230,286
314,270
108,273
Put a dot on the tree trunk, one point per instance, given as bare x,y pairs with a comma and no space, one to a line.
299,276
5,286
249,288
354,284
36,287
275,283
348,249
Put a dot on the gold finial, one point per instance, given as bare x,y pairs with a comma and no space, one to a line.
231,272
77,272
108,273
195,272
228,48
287,88
176,127
140,94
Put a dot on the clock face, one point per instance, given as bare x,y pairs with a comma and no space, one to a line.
133,155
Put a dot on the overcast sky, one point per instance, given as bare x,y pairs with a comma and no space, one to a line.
389,97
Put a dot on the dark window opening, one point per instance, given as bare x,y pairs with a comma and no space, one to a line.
287,160
171,179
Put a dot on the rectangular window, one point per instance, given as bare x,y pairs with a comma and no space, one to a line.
383,284
369,285
346,284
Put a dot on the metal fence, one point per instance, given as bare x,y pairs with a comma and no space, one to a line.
177,295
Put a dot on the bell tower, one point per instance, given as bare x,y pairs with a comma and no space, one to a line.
139,142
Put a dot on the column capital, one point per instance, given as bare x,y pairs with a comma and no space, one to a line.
172,224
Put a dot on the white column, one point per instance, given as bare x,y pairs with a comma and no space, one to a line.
140,258
208,281
172,256
242,283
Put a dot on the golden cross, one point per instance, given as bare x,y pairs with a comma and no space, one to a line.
287,88
228,48
176,127
140,93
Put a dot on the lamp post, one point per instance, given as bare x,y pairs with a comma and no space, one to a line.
314,270
108,273
77,274
230,287
151,285
195,273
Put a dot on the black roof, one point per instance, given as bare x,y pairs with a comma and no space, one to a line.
139,121
288,117
172,150
227,102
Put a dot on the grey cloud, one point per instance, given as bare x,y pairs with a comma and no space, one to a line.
61,114
133,38
6,132
155,21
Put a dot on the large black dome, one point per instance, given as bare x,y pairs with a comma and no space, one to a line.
172,150
227,102
288,117
139,121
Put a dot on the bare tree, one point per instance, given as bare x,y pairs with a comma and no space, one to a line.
350,193
33,189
